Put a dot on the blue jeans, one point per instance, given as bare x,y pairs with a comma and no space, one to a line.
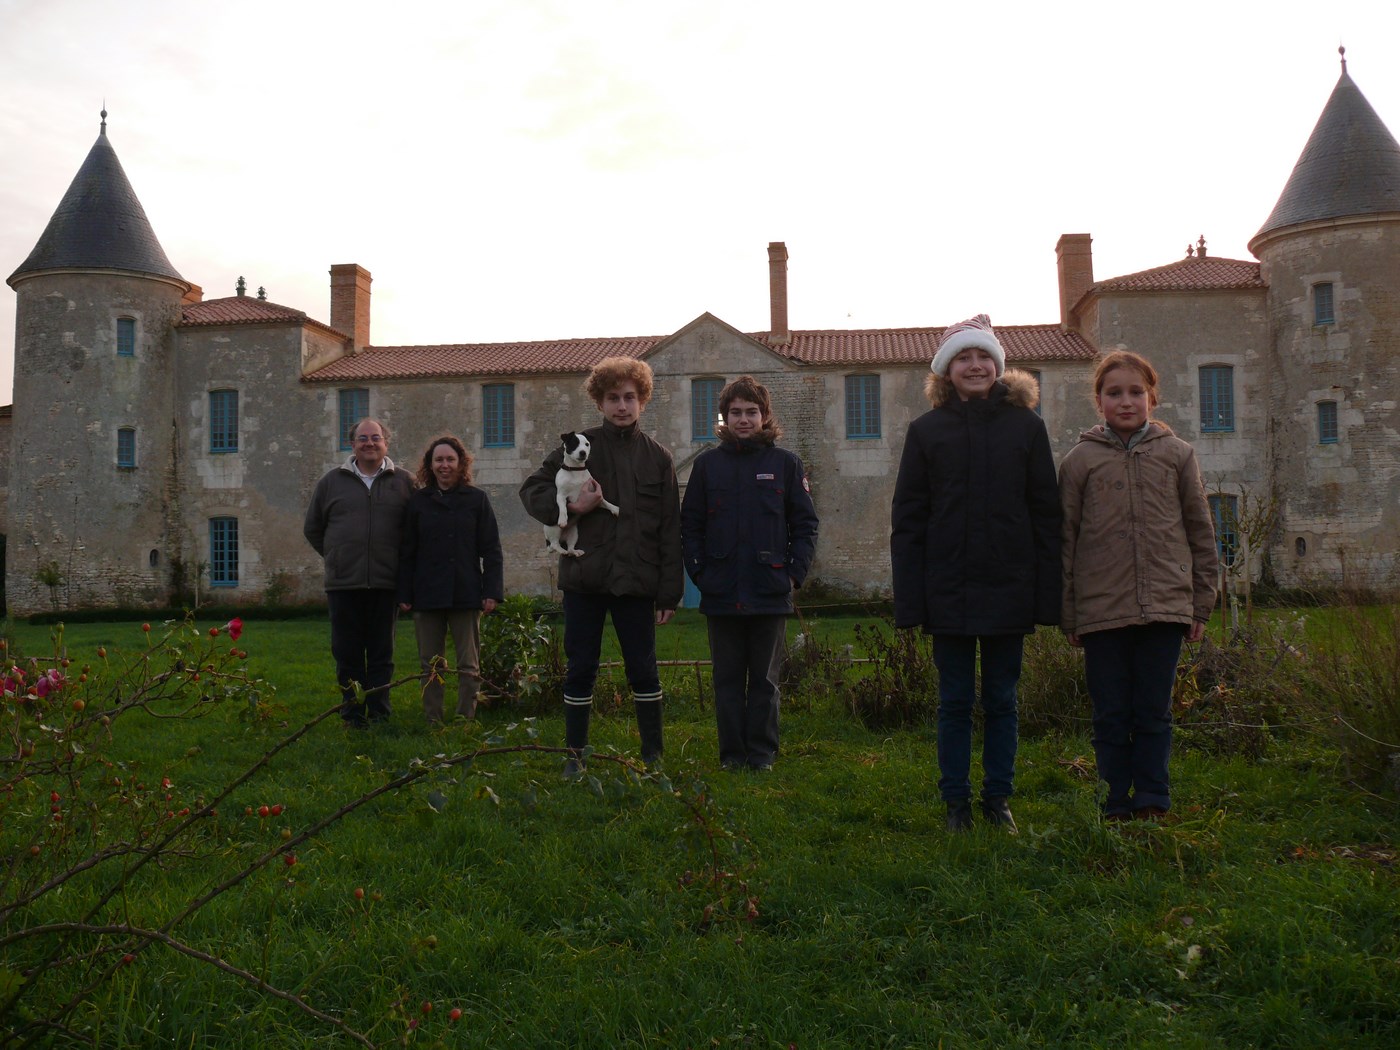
1130,672
956,659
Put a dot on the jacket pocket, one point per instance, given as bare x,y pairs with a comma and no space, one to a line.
770,573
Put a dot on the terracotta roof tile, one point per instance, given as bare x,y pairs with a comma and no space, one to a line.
244,309
1024,343
1192,274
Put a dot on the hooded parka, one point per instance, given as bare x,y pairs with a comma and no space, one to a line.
1138,541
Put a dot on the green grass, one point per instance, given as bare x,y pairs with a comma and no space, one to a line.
1264,914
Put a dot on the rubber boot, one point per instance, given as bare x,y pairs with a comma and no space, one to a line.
576,718
649,728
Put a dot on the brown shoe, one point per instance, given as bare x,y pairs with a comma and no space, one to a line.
1149,813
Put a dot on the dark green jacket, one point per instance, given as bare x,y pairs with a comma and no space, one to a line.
638,553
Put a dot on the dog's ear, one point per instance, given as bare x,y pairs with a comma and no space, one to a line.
564,437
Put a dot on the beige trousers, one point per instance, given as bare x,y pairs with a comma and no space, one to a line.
431,629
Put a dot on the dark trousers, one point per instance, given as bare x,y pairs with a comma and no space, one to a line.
746,655
362,642
956,659
634,623
1130,672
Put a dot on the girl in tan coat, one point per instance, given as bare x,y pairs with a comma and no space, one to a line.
1139,558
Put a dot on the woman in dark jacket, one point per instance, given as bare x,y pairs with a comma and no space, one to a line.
975,552
450,571
749,531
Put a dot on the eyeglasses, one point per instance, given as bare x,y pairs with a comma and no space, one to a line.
369,439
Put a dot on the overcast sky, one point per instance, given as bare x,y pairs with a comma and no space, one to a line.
535,169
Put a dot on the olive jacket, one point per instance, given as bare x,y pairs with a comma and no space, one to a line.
638,553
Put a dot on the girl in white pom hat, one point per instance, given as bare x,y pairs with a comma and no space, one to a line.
975,552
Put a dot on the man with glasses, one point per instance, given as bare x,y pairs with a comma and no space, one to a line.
354,522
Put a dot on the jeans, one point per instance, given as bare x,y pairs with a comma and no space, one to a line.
956,659
362,642
430,628
746,654
1130,672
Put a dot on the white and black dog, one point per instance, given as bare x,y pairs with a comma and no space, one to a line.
569,480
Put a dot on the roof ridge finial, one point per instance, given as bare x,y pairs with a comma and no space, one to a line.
1341,50
103,129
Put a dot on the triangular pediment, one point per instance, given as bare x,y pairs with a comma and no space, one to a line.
711,346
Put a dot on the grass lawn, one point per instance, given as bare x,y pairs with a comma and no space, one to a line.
1265,912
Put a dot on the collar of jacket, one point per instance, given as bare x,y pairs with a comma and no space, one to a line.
386,468
622,433
1099,432
739,446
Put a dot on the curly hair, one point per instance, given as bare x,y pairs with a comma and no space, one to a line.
427,479
747,388
1136,362
613,371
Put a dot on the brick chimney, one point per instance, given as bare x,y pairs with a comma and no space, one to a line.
350,302
777,293
1075,261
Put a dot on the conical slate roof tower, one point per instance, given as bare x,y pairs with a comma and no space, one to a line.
99,224
1350,166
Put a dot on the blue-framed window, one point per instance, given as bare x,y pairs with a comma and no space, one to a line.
498,415
862,406
1323,310
354,406
1327,422
126,337
126,447
1217,399
704,408
223,421
223,552
1224,510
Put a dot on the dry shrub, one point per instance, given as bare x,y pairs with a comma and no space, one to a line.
1231,696
1052,696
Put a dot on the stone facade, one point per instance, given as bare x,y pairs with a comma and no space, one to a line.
96,517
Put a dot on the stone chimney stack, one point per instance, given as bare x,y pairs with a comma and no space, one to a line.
777,293
1075,260
350,302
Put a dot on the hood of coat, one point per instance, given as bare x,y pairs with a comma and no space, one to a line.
1016,388
1100,433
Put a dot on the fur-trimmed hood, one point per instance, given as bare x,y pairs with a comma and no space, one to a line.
1021,389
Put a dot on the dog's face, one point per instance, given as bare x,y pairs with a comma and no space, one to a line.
576,448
